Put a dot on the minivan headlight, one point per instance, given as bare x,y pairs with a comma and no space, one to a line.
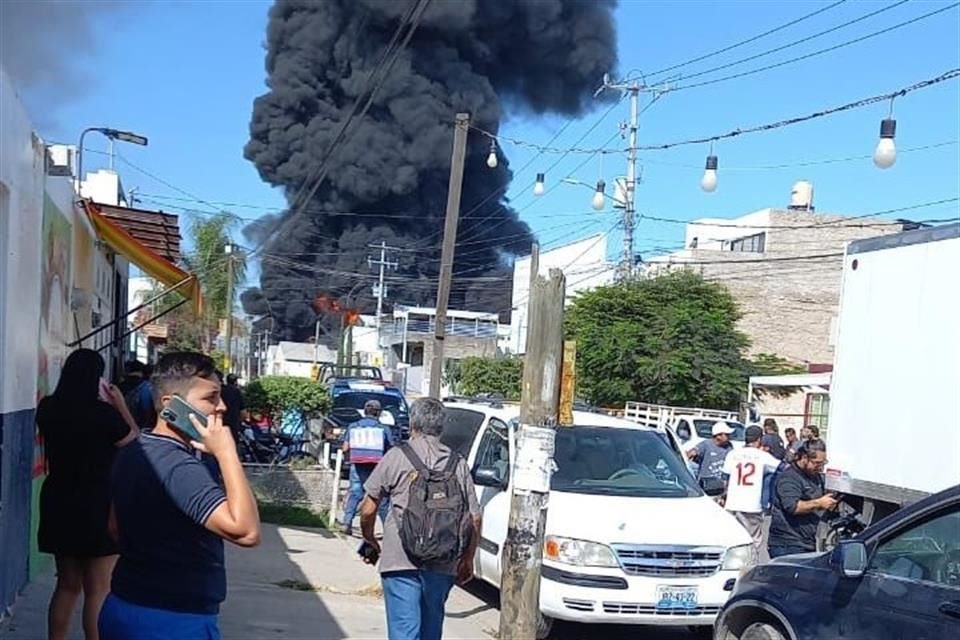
739,558
579,553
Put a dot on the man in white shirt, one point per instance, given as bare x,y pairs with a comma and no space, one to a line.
745,468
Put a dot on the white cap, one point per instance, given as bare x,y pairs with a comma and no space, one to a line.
721,427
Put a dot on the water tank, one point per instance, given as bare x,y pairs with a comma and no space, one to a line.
801,196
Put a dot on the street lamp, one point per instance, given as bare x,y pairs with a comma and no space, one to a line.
112,134
599,193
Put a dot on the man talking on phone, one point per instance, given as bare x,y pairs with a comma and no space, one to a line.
169,515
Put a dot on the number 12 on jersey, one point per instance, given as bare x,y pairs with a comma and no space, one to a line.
745,473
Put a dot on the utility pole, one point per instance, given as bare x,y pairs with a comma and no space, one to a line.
383,263
634,88
449,245
228,249
539,413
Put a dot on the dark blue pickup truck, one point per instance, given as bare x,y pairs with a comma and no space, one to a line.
898,579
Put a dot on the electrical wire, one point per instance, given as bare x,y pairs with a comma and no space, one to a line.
819,52
952,74
747,41
796,42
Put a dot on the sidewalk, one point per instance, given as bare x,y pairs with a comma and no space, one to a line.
299,584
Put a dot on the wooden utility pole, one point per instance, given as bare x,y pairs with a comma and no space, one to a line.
539,407
449,244
568,382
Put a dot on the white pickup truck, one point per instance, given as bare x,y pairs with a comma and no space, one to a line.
630,537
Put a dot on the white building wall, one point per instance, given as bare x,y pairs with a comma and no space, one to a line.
585,265
21,210
711,232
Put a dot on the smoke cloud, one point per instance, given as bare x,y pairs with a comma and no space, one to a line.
45,44
388,181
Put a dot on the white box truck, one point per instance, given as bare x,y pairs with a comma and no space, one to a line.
894,419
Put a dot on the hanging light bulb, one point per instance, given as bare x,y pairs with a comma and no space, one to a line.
538,187
599,199
886,152
492,158
709,181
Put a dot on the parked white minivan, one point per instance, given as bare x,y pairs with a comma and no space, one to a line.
630,537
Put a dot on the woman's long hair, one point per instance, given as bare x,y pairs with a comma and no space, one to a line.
79,382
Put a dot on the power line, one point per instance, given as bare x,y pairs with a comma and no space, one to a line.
798,41
820,51
863,102
748,40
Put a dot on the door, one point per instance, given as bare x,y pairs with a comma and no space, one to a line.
493,453
912,586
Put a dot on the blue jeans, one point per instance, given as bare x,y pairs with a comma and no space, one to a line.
121,620
415,602
359,474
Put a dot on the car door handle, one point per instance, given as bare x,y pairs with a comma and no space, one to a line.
951,609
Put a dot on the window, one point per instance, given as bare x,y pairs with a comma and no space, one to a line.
494,451
460,427
928,551
817,411
705,429
748,244
619,462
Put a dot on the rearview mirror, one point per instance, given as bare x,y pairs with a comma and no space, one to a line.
490,477
850,557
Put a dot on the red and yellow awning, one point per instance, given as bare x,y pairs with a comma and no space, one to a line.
122,240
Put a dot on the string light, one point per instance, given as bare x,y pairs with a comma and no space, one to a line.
709,181
492,158
599,198
538,187
886,152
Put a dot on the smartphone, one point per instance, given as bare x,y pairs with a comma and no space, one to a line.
368,553
177,415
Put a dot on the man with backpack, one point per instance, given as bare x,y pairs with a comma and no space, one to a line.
431,535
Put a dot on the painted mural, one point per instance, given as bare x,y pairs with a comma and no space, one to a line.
55,284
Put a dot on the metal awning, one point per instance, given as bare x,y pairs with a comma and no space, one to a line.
148,239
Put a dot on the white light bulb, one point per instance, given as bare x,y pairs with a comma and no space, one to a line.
492,159
538,187
709,181
599,199
885,154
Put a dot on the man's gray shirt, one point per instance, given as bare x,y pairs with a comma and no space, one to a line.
391,479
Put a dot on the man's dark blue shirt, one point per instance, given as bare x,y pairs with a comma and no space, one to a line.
162,498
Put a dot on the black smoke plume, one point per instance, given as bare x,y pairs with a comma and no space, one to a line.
388,180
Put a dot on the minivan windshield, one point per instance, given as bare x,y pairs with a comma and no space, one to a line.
620,462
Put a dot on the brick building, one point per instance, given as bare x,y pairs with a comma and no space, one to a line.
783,267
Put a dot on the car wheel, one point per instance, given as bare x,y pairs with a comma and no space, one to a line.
544,626
761,631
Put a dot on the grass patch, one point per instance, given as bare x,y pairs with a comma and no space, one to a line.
291,516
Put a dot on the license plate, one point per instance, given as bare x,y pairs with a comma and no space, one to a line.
670,598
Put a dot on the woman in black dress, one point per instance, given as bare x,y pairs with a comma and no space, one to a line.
81,433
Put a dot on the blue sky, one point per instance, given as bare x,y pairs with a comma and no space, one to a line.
185,74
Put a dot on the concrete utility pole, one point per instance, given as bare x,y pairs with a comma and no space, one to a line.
449,244
383,263
539,409
634,88
228,249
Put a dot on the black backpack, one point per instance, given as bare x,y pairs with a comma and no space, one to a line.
433,530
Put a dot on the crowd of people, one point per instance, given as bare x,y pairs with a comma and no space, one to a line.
769,479
139,499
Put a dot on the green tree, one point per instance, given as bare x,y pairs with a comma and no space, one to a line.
490,375
666,340
209,236
274,395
